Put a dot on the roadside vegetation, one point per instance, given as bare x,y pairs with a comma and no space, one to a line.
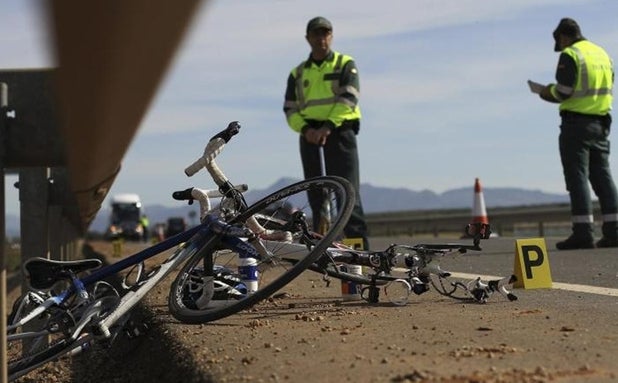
12,252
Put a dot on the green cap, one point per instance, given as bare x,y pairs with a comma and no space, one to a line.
567,27
317,23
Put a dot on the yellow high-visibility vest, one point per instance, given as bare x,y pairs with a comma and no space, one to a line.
318,91
592,93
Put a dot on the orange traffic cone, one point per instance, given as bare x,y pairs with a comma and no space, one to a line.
479,214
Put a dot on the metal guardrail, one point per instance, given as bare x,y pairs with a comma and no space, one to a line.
503,220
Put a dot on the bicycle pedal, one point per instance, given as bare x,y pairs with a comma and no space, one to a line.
480,295
420,288
326,279
62,322
136,330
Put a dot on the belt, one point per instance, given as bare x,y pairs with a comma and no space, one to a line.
346,125
569,114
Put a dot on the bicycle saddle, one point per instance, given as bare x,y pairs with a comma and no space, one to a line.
43,273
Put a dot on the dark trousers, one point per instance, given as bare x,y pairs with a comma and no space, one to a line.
584,152
341,158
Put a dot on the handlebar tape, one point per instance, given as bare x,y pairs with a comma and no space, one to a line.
213,148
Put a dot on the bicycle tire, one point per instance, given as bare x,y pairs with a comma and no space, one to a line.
58,343
182,305
28,363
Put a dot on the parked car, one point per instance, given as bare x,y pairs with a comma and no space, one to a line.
174,226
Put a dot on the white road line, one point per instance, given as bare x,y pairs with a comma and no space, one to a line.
556,285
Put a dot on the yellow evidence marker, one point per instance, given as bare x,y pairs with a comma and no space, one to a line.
532,264
355,243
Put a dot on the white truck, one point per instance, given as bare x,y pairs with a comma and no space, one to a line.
126,213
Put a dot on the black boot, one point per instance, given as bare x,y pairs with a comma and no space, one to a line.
607,242
610,235
580,239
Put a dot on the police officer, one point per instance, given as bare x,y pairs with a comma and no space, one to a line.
584,91
321,104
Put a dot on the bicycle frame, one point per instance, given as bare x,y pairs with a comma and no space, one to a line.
78,286
418,262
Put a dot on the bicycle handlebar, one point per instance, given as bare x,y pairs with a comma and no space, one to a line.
203,196
207,160
213,148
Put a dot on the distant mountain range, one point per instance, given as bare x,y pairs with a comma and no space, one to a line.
375,199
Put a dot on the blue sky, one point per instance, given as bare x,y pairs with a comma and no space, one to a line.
443,90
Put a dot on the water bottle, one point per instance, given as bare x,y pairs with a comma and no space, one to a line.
398,291
350,291
248,270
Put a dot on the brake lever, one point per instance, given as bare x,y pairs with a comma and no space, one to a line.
232,129
184,195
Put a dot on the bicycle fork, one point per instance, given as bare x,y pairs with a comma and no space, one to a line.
249,252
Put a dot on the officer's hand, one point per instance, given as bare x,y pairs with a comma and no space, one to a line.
323,134
546,95
309,136
317,136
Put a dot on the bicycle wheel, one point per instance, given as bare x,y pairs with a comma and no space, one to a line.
212,271
55,332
